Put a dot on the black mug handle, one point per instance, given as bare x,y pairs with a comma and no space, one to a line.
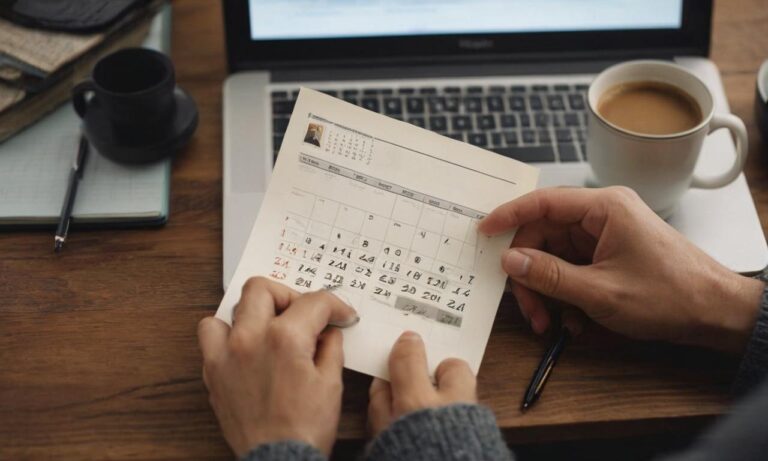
79,93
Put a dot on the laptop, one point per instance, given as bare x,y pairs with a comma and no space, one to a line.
509,77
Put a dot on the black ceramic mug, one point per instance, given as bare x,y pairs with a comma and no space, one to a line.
135,89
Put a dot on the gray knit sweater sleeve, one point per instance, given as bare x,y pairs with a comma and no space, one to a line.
456,432
288,450
754,365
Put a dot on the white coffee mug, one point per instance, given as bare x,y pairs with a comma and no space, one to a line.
660,168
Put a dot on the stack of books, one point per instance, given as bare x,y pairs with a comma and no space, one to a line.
38,68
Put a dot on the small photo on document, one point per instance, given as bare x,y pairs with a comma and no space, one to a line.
314,134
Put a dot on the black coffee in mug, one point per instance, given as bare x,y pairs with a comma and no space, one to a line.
135,89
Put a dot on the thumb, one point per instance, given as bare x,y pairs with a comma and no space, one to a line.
548,275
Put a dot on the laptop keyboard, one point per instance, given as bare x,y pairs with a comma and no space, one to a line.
530,123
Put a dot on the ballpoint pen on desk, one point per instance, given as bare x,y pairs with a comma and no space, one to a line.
69,199
544,369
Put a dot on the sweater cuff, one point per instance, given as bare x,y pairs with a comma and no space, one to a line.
455,432
754,365
287,450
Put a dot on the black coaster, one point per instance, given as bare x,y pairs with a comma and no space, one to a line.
147,146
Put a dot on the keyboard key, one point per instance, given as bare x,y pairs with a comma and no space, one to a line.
497,89
517,103
279,125
511,138
582,87
371,91
478,139
544,136
497,140
418,121
518,89
529,137
495,104
567,153
282,107
295,94
428,90
279,94
371,104
452,90
438,123
461,123
452,104
473,104
508,121
542,119
352,100
528,154
563,136
406,91
387,91
525,120
576,101
436,104
333,93
540,88
475,90
415,105
486,122
571,119
562,87
535,102
350,93
393,106
555,102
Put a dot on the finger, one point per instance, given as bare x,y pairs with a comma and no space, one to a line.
561,205
212,335
310,313
456,381
408,371
532,308
574,320
550,275
329,358
259,300
379,406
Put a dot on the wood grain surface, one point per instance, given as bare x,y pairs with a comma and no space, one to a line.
98,349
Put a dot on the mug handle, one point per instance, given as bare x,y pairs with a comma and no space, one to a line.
79,93
735,126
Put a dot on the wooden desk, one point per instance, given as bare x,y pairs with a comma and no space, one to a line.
98,353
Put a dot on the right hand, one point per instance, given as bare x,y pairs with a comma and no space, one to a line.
605,252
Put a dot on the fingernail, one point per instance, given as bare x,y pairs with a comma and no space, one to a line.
410,336
516,264
353,320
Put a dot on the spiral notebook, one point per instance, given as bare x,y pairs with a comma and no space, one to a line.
35,164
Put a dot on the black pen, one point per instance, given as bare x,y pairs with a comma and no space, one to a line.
69,199
545,369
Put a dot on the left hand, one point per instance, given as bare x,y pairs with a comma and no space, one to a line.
410,388
276,375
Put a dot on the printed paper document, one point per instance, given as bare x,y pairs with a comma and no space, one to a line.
385,213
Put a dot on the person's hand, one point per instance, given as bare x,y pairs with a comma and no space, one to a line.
276,374
605,252
410,388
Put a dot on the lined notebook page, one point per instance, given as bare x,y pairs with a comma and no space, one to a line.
34,168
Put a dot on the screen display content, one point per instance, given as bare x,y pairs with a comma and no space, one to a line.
329,19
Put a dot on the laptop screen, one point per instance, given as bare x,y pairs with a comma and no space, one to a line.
331,19
270,34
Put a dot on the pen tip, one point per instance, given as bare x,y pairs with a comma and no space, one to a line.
525,406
